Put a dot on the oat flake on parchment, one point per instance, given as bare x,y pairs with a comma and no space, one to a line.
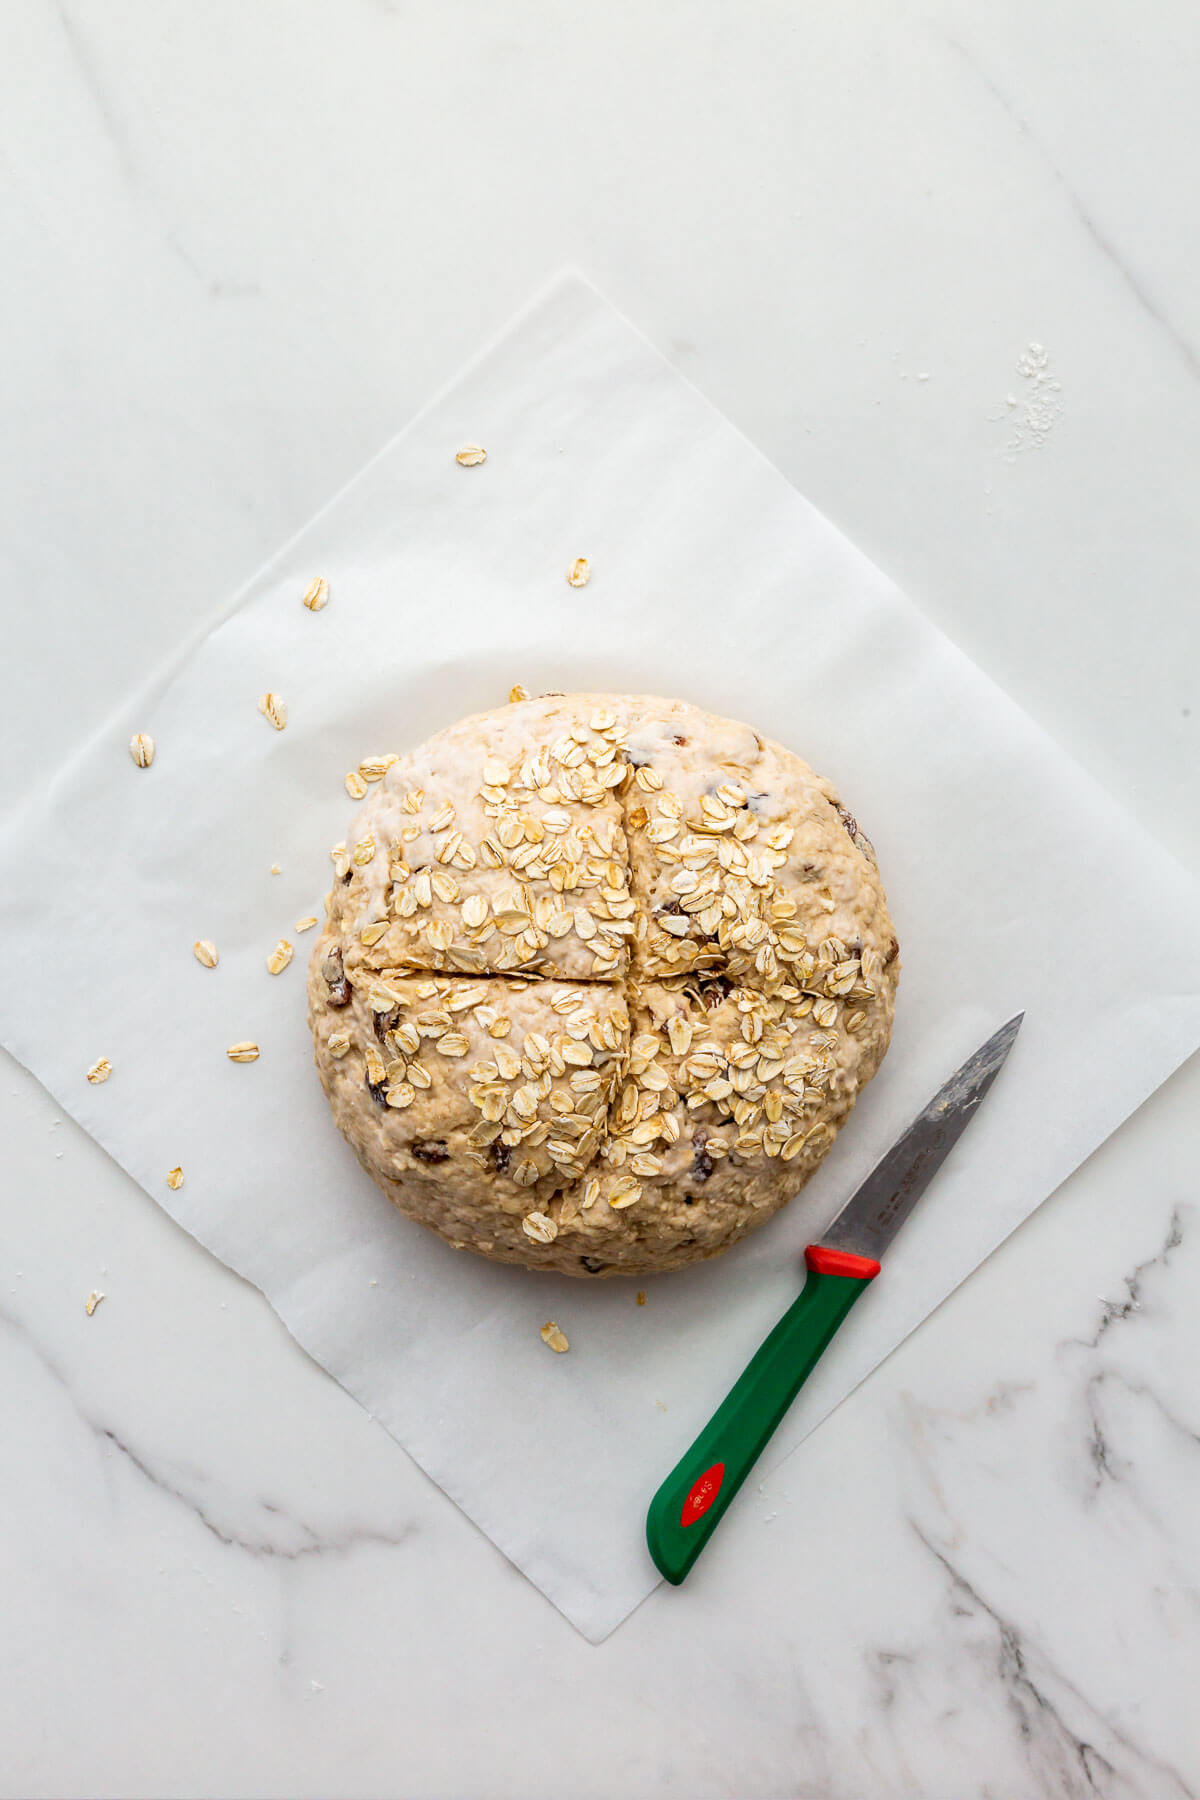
280,957
273,708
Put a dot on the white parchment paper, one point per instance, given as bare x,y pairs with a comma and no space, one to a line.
1013,881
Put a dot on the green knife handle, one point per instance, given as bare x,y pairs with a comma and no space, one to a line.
694,1498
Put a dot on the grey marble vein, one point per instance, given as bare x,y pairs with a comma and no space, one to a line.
1076,1764
186,1487
110,118
1133,282
885,1675
1107,1464
315,1543
125,155
1114,1312
1104,1462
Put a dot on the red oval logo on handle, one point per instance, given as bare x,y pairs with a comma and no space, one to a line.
704,1491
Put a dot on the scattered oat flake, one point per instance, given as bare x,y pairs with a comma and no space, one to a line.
317,596
305,924
580,572
280,957
273,708
641,1296
356,787
100,1071
374,768
175,1177
246,1051
275,869
141,748
470,456
516,692
92,1302
205,951
554,1336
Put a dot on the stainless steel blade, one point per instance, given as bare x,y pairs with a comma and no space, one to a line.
870,1220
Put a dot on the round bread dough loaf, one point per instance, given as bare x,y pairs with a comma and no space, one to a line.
600,978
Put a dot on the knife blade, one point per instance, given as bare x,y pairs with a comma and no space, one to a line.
871,1218
694,1498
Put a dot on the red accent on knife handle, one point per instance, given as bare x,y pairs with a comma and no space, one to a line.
702,1494
840,1262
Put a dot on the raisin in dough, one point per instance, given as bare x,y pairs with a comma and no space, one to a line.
600,979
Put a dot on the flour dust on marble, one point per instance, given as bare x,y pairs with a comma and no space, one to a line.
1034,407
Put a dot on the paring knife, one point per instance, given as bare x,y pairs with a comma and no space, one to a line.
694,1498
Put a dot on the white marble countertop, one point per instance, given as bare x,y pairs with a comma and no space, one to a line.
242,245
